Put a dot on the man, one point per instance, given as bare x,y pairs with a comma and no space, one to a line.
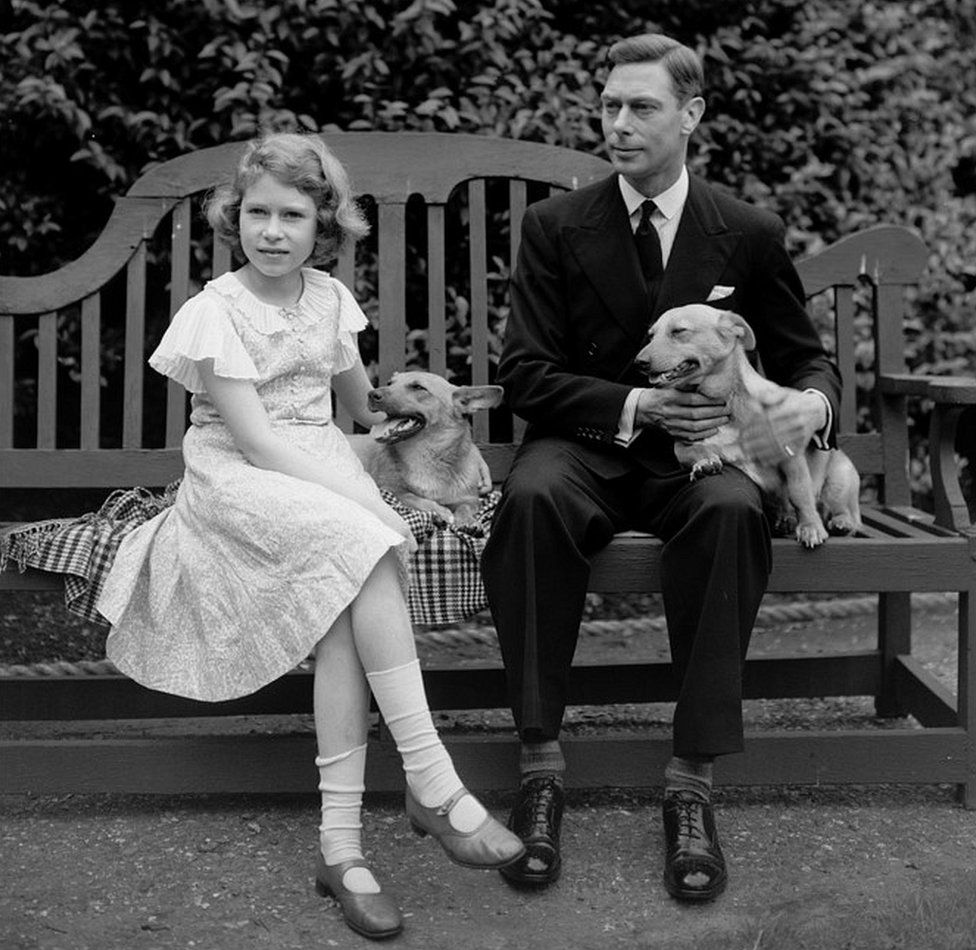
595,269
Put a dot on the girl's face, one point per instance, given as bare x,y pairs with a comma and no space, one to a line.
278,226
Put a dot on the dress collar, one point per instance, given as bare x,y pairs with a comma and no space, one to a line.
311,307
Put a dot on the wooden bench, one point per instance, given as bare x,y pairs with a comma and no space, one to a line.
446,211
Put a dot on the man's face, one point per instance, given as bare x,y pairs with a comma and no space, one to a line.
645,127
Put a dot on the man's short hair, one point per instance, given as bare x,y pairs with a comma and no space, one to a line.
682,63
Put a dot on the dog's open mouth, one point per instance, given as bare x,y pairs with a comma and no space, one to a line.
669,376
397,428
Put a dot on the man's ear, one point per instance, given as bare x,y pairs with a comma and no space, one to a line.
730,322
692,113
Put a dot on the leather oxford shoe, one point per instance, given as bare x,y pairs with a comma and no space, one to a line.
536,818
694,867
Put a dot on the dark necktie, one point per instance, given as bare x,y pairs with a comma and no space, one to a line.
649,244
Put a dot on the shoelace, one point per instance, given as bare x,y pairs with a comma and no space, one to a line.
542,802
688,825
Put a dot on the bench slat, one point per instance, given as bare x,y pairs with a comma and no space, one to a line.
393,283
6,381
99,468
516,204
179,292
846,339
91,353
345,271
47,380
478,251
135,343
436,291
236,764
221,257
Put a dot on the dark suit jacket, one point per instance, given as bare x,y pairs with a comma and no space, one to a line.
580,311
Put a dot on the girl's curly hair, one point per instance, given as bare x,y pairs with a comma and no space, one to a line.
302,162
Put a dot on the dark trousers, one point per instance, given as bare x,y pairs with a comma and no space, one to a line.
557,511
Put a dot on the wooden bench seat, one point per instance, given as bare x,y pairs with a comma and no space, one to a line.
446,211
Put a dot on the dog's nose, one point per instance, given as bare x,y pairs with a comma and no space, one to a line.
642,366
373,399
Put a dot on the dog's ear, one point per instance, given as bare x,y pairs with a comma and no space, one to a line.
469,398
730,322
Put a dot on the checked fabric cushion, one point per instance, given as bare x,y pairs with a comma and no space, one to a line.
445,575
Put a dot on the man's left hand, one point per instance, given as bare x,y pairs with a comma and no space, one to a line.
784,427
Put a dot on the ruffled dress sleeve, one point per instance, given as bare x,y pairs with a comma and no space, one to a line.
351,321
202,329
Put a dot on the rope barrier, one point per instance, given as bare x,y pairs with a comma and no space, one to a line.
483,635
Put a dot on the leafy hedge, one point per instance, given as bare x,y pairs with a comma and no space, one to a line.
835,113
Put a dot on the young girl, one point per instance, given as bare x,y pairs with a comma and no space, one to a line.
279,543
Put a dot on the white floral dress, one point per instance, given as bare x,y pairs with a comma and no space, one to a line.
234,584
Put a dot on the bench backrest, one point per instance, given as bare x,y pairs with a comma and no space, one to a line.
446,212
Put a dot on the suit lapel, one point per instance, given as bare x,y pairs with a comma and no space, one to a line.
603,244
701,249
604,247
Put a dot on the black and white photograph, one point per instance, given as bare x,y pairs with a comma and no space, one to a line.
488,474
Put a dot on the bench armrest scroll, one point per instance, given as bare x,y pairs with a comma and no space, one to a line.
951,397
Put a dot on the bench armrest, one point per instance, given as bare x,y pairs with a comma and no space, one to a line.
951,396
953,390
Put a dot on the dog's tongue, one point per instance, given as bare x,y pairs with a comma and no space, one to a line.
395,429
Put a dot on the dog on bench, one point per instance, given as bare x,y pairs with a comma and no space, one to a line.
698,347
423,453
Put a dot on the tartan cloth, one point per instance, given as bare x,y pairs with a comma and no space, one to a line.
445,572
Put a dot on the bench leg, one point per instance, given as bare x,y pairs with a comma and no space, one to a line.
966,692
894,639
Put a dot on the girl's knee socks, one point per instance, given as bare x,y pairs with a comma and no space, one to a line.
429,770
342,783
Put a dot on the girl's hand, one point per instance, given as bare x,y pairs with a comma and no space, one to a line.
485,483
390,518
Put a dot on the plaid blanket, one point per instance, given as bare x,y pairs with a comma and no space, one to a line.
445,574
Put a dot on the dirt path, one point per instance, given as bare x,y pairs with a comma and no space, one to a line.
823,868
863,869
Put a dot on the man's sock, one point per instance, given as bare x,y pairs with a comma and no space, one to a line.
538,759
689,775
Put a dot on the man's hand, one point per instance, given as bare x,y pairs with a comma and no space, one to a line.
784,427
688,416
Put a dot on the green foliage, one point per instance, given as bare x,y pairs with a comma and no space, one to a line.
837,115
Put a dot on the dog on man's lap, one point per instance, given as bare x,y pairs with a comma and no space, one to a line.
700,348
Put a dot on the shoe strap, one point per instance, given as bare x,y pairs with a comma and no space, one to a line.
445,809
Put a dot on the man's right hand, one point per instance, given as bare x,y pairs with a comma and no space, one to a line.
687,416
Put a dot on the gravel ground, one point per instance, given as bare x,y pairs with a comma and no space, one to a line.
877,868
822,868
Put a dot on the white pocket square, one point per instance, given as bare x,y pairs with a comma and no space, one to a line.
719,291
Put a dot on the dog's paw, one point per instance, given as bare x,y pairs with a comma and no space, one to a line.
466,515
785,524
440,513
842,524
705,467
811,534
